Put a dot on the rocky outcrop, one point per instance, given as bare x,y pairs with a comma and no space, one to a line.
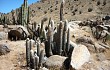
80,55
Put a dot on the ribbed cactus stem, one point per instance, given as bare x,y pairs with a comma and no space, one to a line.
36,62
48,43
61,10
38,47
31,45
41,58
68,40
64,35
42,24
32,61
52,27
60,39
27,52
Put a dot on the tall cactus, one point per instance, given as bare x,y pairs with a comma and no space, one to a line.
27,52
64,36
38,47
60,38
36,62
32,59
48,43
42,24
68,40
41,57
61,10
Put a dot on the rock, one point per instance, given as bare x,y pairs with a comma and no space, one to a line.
80,55
55,61
85,40
44,68
4,49
3,35
90,47
99,48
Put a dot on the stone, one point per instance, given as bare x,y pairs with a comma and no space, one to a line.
85,40
55,61
3,36
80,55
4,49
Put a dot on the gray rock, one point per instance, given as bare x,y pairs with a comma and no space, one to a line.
80,55
55,61
4,49
3,35
85,40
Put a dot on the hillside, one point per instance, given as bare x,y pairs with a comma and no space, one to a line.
73,10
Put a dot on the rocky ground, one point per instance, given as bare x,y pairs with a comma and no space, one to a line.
99,59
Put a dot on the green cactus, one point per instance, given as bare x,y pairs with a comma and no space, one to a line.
38,47
60,38
48,43
27,52
61,11
36,62
32,60
68,40
41,57
64,36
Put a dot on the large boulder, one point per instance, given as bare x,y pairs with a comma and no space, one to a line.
80,55
4,49
55,61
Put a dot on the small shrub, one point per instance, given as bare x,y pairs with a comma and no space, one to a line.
45,12
80,12
39,8
104,2
56,2
90,9
51,10
73,12
76,10
98,3
56,8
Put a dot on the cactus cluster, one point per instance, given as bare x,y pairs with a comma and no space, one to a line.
34,58
57,43
24,13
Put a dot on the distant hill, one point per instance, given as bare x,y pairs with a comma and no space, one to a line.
73,10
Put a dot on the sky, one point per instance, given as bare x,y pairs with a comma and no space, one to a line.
7,5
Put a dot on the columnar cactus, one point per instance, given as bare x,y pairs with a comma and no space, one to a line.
61,10
41,57
27,52
52,27
36,62
64,36
48,43
60,38
42,24
32,59
38,47
68,40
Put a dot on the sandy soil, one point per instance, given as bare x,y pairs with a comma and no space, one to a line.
15,60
